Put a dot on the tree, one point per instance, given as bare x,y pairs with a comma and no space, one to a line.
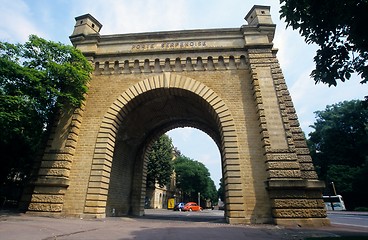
337,27
160,166
193,177
221,190
210,192
340,135
338,146
37,79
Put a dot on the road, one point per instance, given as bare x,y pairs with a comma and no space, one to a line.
353,219
209,216
166,225
349,219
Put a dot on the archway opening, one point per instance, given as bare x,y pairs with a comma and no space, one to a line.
143,113
197,145
148,116
196,175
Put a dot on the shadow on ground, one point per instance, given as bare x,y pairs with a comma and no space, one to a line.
205,216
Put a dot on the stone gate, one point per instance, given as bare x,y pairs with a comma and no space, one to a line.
225,82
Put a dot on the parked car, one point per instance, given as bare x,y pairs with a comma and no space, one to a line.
192,206
179,206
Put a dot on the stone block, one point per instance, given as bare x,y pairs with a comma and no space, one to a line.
299,213
45,207
298,203
41,198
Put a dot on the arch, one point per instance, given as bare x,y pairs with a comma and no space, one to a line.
105,143
264,180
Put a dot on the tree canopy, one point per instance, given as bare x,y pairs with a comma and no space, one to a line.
193,177
221,190
337,27
37,79
339,150
160,166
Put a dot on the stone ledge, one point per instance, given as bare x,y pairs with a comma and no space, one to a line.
295,184
52,182
303,222
238,221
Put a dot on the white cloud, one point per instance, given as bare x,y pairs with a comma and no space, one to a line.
17,22
134,16
206,158
309,97
181,135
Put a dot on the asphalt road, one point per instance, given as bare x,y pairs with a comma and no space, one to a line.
157,224
338,218
349,219
208,216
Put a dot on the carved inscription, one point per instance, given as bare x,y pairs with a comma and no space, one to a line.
143,46
169,45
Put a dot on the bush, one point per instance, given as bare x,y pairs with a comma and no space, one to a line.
361,209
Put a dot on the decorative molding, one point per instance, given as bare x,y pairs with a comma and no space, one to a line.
178,64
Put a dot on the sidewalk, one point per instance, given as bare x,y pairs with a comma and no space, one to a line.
23,226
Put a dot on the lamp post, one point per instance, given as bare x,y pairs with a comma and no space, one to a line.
333,188
334,192
199,199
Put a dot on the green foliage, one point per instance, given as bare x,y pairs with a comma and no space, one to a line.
221,190
160,166
193,177
361,209
337,27
342,176
210,192
338,146
36,79
340,135
360,187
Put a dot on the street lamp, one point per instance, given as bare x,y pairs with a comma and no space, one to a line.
199,199
333,188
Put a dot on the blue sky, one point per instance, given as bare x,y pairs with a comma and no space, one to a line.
54,20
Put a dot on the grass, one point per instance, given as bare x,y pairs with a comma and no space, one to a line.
339,238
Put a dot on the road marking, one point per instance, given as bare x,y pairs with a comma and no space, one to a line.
350,225
353,217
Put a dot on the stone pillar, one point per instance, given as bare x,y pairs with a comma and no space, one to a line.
294,190
53,175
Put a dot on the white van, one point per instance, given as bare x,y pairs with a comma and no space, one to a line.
334,203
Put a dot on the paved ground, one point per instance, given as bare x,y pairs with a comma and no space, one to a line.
154,226
349,219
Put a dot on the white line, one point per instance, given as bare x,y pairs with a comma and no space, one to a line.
351,225
353,217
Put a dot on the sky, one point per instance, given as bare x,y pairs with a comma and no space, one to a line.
54,20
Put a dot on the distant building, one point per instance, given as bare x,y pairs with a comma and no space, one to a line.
157,197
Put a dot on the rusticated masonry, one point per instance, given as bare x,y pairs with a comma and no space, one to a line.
53,175
293,186
225,82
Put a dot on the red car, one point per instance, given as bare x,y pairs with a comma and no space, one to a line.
192,206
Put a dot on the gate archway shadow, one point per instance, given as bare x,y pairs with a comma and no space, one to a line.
208,216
